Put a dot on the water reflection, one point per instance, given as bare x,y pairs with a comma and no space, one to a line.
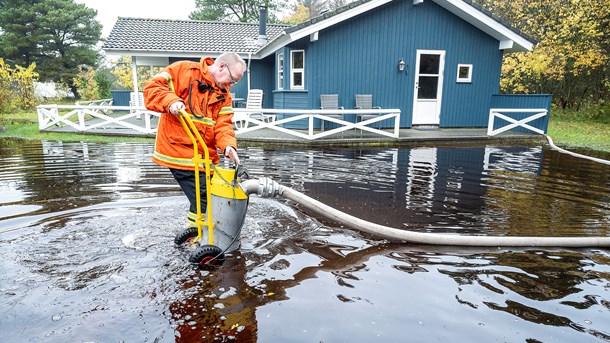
86,232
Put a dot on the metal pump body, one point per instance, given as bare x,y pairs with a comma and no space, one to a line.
229,206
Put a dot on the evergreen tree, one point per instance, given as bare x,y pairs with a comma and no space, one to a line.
58,35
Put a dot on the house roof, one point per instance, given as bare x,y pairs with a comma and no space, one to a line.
184,38
510,39
192,38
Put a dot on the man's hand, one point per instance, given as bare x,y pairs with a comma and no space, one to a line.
176,107
232,154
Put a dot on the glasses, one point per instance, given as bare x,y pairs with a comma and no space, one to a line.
233,80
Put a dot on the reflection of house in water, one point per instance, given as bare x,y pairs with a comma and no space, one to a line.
458,188
421,178
442,186
442,189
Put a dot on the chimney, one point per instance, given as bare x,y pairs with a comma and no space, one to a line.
262,26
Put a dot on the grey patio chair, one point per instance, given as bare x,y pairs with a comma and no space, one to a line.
330,102
365,102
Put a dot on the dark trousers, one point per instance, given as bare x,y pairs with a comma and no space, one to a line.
186,180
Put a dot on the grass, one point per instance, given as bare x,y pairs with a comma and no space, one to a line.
30,131
588,128
24,125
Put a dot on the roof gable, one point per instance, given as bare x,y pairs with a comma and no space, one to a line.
509,38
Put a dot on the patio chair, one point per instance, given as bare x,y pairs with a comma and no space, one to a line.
253,103
330,102
132,99
132,102
365,102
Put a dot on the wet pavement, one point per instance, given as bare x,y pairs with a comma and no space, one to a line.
86,231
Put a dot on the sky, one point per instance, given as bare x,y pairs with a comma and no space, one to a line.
109,10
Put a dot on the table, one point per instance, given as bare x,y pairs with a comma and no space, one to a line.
236,101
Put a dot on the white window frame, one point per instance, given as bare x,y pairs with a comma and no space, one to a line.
294,70
467,79
280,71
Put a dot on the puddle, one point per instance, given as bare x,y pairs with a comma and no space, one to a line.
87,232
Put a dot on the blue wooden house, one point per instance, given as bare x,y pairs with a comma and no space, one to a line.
438,61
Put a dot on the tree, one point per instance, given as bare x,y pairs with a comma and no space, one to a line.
301,14
317,7
124,78
58,35
245,11
571,58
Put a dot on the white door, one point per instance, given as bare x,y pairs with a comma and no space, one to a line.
428,87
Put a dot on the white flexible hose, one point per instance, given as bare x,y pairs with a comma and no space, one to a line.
434,238
266,187
599,160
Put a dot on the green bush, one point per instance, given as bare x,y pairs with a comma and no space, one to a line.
16,87
103,85
599,113
86,84
603,113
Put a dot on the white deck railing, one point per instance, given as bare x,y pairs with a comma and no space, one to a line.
305,121
87,118
501,113
101,102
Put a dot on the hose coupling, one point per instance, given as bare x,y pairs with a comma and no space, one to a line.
263,187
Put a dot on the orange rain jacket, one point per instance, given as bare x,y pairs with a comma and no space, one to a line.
213,113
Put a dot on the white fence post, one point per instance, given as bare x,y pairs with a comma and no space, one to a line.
81,119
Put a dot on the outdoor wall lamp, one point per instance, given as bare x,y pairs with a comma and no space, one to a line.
401,65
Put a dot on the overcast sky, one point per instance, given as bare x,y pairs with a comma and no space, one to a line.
109,10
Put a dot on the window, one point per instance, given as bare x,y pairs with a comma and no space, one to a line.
297,69
464,73
280,71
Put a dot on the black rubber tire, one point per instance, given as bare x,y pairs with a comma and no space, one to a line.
186,236
207,256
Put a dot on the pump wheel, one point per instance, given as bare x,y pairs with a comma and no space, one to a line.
207,256
186,236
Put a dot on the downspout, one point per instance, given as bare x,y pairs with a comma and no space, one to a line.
134,71
248,71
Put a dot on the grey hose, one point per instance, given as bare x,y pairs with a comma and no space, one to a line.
438,239
266,187
598,160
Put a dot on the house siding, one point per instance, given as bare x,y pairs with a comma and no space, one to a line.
262,74
361,55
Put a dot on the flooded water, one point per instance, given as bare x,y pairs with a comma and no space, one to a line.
86,235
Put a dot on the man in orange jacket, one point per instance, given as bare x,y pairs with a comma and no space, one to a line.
202,90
